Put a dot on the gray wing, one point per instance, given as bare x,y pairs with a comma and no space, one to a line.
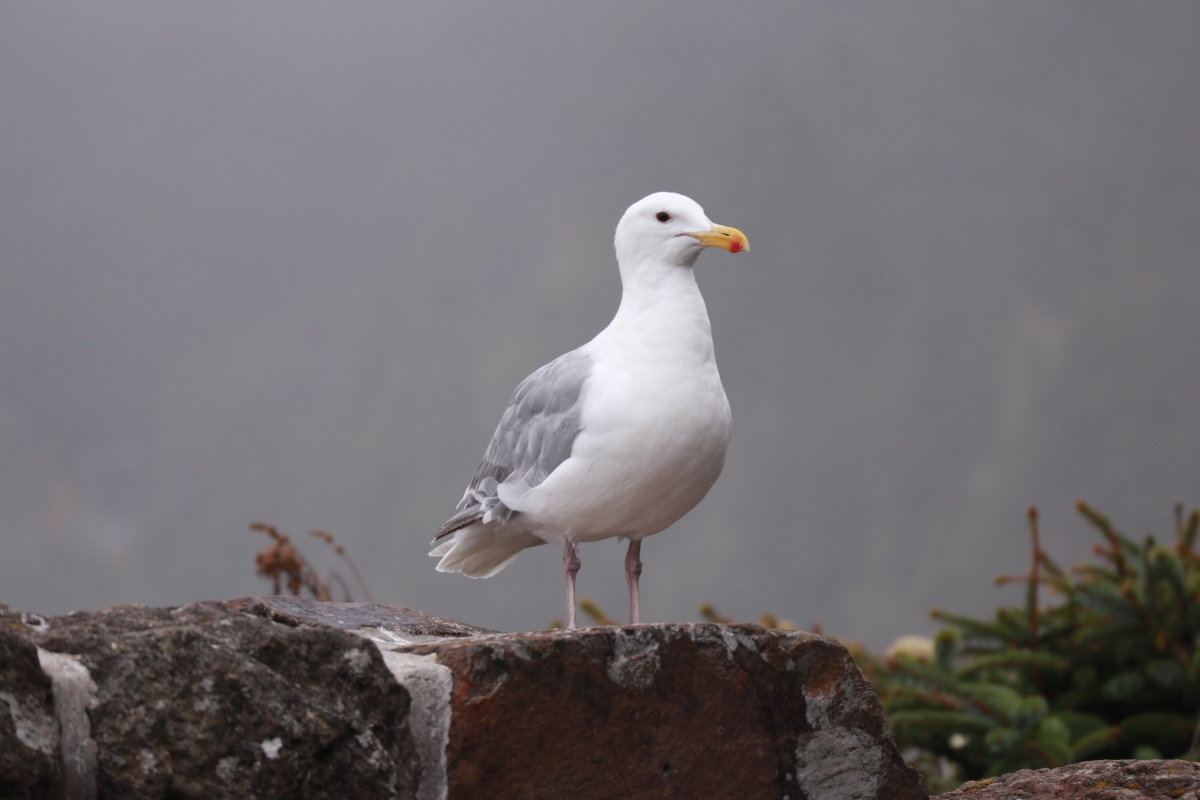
535,435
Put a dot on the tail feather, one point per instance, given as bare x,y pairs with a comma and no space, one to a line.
480,551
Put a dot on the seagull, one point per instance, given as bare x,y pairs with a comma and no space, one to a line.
619,438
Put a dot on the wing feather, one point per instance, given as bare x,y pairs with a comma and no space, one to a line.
535,435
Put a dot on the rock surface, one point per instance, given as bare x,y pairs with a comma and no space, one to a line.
1093,780
29,741
282,697
685,710
203,702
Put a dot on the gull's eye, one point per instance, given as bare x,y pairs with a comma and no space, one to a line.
662,216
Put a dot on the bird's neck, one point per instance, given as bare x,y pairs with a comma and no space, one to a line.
662,311
650,274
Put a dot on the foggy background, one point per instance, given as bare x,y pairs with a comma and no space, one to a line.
286,262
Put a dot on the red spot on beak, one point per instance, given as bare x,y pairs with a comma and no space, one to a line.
735,247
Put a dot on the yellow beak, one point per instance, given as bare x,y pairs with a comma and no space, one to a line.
730,239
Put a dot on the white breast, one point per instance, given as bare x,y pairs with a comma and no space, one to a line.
656,426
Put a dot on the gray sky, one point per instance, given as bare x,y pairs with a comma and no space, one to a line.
285,262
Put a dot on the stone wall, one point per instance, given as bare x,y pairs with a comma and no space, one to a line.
281,697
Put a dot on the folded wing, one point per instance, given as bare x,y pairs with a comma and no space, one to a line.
535,435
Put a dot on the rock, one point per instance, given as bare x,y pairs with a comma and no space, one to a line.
367,619
629,712
30,754
205,702
282,697
1094,780
679,710
74,698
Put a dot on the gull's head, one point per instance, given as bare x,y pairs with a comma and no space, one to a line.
670,229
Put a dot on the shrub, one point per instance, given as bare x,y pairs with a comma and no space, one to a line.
1111,669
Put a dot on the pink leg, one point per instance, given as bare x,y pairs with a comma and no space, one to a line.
571,567
633,571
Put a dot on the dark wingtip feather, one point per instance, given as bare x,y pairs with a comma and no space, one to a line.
459,521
